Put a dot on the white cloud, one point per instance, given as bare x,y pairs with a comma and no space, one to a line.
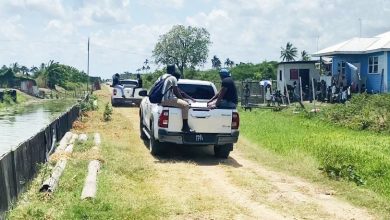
11,28
177,4
65,29
50,7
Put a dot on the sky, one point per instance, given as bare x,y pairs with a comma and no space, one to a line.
123,33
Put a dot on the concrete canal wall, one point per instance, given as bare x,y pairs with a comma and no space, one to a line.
19,166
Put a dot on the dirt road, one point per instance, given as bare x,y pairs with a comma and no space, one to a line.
200,186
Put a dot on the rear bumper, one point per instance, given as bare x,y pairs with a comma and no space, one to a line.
197,138
123,101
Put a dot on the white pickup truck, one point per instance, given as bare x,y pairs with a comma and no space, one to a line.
129,85
162,125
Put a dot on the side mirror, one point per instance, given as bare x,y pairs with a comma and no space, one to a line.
143,93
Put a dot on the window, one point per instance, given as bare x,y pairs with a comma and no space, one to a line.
280,75
373,65
128,83
197,91
294,74
341,67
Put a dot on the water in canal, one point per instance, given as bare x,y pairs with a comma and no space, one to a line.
21,123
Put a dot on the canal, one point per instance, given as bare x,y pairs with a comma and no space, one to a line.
17,124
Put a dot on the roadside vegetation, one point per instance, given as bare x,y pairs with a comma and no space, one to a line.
362,112
360,158
9,102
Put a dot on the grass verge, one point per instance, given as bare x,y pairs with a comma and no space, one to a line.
303,146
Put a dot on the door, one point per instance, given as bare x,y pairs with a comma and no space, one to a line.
355,74
305,77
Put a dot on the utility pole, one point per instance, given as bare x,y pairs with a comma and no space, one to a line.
88,69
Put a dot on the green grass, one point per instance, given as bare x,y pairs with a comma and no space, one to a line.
21,98
329,147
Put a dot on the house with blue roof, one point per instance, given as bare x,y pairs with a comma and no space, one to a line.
362,63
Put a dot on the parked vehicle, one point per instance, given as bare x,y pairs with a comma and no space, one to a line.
162,125
117,98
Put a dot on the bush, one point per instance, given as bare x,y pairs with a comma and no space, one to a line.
362,112
107,112
89,104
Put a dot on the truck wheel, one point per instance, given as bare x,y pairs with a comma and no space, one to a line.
143,136
155,146
223,151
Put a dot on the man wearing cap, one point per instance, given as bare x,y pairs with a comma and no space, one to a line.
173,96
227,96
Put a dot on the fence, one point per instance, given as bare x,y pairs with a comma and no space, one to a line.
19,166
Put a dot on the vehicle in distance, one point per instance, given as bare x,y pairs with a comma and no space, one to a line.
117,98
162,125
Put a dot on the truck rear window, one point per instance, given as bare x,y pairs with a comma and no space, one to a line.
198,91
128,83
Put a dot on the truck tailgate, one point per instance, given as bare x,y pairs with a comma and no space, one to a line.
202,119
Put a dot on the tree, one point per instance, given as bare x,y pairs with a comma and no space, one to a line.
229,63
289,53
146,62
215,62
15,67
52,74
183,46
305,56
24,70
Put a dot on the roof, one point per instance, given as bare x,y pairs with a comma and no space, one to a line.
358,46
300,62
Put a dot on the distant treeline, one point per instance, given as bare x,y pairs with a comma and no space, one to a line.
242,71
46,75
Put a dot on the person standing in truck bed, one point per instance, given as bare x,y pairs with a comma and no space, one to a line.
227,96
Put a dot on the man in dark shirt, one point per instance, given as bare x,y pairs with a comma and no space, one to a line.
140,84
227,96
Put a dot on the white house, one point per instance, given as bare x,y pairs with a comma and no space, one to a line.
289,72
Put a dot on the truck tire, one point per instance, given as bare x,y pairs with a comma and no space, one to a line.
143,136
223,151
156,148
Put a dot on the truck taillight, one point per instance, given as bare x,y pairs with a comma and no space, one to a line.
163,120
235,120
114,91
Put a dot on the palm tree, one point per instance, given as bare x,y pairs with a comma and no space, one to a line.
229,63
138,70
34,69
289,53
305,56
24,70
216,62
15,67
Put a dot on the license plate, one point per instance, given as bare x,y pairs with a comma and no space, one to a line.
200,138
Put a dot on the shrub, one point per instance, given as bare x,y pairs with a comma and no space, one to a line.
107,112
362,112
89,104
